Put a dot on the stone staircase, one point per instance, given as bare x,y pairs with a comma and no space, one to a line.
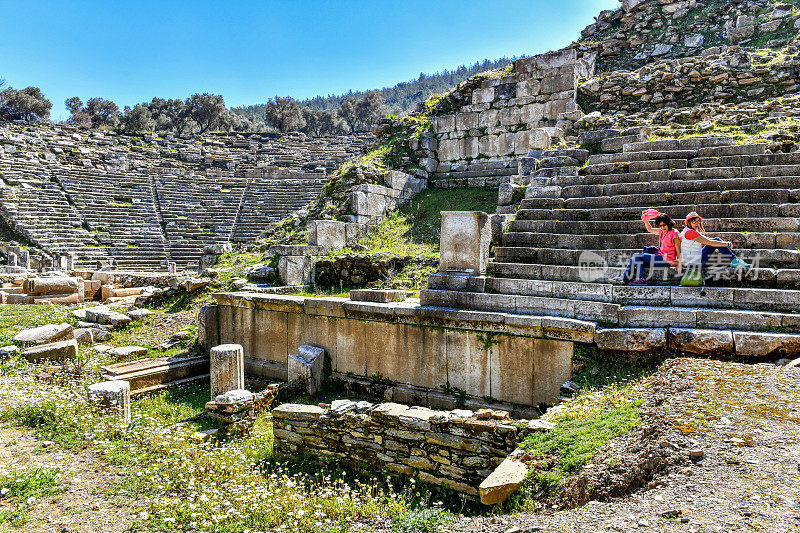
120,209
38,209
267,201
197,211
578,225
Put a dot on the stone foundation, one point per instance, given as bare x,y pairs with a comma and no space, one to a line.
519,360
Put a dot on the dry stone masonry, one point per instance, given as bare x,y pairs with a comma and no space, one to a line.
458,448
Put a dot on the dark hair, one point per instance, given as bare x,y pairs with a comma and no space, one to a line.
664,219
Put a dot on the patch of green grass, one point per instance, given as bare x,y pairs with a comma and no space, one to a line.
426,520
414,228
575,438
22,489
596,370
15,318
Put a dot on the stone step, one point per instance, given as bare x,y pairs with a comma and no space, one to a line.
708,211
691,143
619,257
593,227
643,201
761,276
716,308
783,241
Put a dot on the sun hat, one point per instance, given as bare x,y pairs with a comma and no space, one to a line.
692,215
650,214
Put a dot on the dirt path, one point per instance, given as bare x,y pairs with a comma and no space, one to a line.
746,422
84,506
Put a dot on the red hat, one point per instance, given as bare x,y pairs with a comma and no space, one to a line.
650,214
692,215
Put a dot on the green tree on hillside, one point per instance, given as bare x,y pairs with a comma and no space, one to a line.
103,112
24,104
285,114
205,109
138,118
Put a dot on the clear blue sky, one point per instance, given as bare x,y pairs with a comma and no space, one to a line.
130,52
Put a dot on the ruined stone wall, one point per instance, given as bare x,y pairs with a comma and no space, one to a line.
453,448
353,270
507,116
520,360
717,75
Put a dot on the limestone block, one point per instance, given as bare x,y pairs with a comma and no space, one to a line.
532,114
756,344
103,315
51,285
630,339
464,241
506,142
522,143
328,233
489,145
510,116
557,84
123,352
449,150
83,336
466,121
743,33
308,366
56,351
296,269
227,368
18,299
701,341
489,118
378,295
469,147
45,334
444,124
528,88
503,481
111,398
483,96
539,139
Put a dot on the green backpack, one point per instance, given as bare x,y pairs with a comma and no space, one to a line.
692,278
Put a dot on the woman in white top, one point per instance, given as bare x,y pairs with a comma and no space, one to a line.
696,247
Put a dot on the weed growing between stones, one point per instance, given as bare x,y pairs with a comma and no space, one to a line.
23,489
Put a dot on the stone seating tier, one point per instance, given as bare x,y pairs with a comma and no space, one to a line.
573,212
143,201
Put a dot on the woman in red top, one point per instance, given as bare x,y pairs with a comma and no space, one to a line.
668,253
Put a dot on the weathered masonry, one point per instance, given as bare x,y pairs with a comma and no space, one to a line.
520,360
441,447
506,117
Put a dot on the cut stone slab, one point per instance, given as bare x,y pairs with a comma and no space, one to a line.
234,396
297,411
127,351
45,334
701,341
83,336
757,344
56,351
378,295
308,366
111,398
103,315
630,339
501,483
138,314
